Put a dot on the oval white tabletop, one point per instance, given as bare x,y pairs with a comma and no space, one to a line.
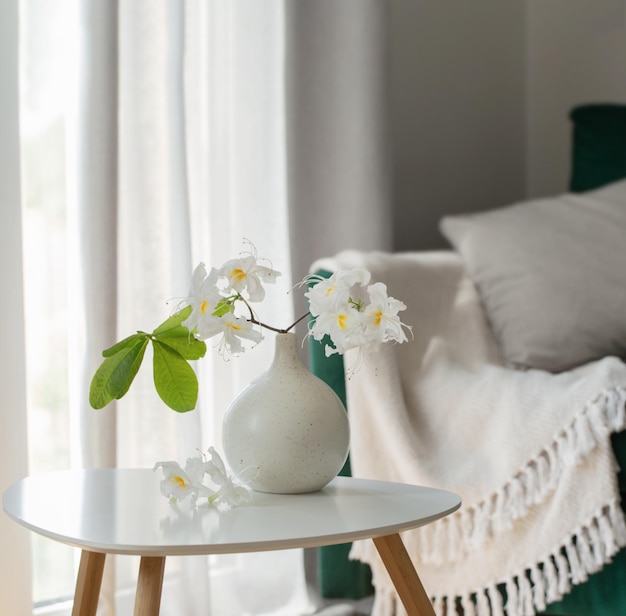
121,511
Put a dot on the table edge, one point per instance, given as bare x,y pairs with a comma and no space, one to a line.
244,547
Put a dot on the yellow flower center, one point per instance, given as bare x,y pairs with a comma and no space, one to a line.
341,320
378,317
237,274
234,326
203,306
329,290
179,480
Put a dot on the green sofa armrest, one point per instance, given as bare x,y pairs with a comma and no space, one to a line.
338,576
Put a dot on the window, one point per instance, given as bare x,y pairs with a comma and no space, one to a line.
47,65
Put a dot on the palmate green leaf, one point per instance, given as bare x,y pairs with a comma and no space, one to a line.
116,373
174,379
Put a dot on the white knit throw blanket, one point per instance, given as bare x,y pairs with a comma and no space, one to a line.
528,451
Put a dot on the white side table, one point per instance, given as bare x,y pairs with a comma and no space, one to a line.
121,511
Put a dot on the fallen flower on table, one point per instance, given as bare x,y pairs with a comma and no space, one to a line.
229,492
179,484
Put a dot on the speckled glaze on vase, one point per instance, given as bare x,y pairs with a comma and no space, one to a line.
287,432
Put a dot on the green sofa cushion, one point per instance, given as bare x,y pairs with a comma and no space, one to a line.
598,146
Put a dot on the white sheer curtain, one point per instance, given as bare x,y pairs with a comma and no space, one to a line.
175,166
198,124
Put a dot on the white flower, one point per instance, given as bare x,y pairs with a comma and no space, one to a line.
245,275
195,470
352,322
330,293
343,324
229,493
178,484
215,467
214,296
233,329
380,318
203,298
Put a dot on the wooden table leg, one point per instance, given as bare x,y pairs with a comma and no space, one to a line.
149,584
88,583
403,575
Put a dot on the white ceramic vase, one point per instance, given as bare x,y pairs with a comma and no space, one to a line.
287,432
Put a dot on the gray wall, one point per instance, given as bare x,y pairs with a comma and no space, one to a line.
457,102
570,61
480,93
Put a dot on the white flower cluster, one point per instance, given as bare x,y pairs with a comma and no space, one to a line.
346,307
214,296
188,483
350,319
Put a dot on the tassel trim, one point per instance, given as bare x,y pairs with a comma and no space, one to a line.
529,591
588,549
450,538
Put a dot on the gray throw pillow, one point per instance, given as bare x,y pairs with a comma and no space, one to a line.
551,274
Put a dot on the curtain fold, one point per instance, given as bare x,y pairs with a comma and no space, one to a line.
15,579
92,216
339,168
92,213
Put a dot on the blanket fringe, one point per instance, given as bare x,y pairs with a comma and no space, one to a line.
529,591
524,593
450,538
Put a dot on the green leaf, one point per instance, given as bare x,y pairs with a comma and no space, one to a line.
223,307
185,344
122,344
174,379
116,373
173,322
178,337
